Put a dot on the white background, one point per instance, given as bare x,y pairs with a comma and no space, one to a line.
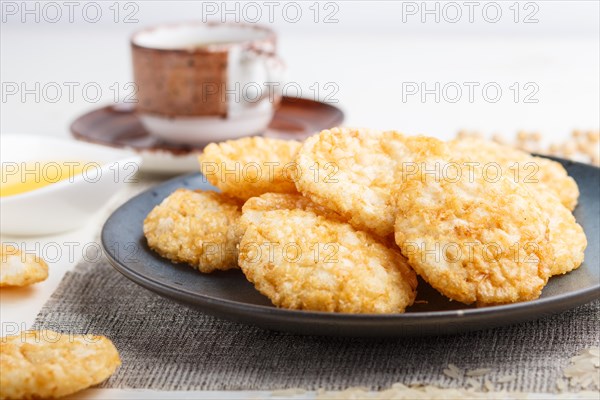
369,54
371,51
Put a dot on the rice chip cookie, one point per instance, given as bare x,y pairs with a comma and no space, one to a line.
474,239
255,207
19,269
250,166
352,172
548,181
566,235
538,173
301,260
199,228
46,364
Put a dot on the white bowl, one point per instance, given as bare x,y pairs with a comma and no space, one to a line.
66,204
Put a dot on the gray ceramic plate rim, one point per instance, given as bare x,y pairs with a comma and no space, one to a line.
587,294
271,317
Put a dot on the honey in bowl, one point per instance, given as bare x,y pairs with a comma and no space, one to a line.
23,177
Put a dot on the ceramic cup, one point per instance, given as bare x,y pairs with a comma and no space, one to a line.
203,82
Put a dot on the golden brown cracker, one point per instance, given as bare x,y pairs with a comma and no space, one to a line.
20,269
301,260
352,172
538,173
472,237
199,228
46,364
255,207
250,166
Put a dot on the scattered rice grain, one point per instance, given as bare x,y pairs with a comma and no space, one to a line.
288,392
488,385
433,392
453,371
584,370
451,374
479,372
473,383
454,368
506,379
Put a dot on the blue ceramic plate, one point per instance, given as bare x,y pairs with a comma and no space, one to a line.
229,295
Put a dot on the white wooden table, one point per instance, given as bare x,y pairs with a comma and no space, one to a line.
372,72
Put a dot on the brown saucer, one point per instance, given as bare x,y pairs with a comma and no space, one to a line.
119,126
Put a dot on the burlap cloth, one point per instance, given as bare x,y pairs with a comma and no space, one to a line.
166,346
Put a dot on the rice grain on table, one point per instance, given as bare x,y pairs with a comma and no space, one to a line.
584,370
473,383
506,379
455,368
488,385
583,373
479,372
288,392
401,392
453,371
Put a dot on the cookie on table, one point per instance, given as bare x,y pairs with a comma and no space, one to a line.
352,172
20,269
199,228
250,166
474,239
538,173
46,364
304,261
